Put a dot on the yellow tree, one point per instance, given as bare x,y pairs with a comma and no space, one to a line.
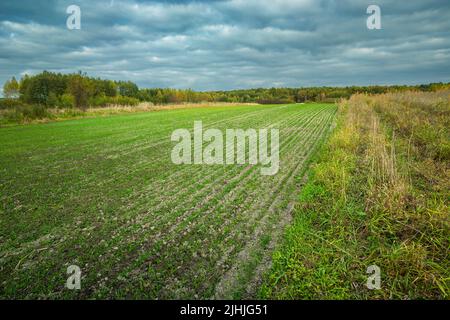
11,89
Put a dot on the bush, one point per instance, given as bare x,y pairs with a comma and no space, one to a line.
25,113
10,103
98,101
67,101
275,101
52,100
124,101
103,101
30,112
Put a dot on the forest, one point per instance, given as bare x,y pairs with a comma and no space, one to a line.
78,90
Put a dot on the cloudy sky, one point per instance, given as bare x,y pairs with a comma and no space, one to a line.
215,45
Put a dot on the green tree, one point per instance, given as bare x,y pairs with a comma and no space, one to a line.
81,90
128,89
67,101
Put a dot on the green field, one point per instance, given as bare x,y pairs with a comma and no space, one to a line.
103,194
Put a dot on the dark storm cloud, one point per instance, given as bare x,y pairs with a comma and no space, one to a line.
229,44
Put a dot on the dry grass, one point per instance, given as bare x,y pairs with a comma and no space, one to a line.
11,116
378,195
411,232
146,106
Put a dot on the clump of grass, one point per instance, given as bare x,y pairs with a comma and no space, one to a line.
378,194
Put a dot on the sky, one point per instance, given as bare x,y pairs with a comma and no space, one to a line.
223,45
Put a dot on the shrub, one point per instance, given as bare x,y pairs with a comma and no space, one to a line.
52,100
276,101
10,103
34,112
122,101
98,101
26,113
67,101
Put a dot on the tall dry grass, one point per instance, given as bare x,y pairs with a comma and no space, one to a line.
377,194
406,163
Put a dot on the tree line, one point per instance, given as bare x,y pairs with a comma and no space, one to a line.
77,90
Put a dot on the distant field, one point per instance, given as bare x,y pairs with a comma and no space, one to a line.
103,194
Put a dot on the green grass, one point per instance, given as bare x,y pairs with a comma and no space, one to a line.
376,195
103,194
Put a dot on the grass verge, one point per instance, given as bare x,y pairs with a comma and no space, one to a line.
377,195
